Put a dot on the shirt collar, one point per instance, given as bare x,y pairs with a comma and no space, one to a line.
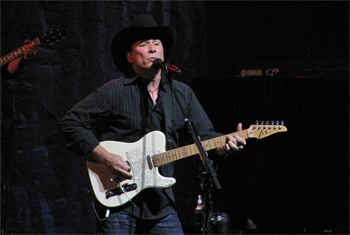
134,78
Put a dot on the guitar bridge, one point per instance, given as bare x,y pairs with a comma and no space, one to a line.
119,190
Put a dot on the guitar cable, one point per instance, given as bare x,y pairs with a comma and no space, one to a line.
97,216
94,207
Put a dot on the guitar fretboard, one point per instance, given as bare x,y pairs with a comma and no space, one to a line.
190,150
17,53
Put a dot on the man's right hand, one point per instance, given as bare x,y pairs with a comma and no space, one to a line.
115,163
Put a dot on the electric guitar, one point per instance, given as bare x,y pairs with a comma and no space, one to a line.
53,35
145,156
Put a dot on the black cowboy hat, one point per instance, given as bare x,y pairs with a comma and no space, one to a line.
142,27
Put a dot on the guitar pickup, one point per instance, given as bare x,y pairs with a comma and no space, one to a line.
120,190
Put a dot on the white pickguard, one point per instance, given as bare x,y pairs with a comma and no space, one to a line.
136,154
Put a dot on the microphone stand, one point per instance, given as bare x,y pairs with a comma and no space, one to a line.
206,161
208,203
202,153
205,207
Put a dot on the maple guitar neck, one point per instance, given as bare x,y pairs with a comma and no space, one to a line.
190,150
258,131
18,52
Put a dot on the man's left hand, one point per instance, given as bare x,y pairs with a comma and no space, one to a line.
234,143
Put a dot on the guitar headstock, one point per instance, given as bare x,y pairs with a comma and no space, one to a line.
54,35
265,129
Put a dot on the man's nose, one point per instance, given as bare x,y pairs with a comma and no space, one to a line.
152,48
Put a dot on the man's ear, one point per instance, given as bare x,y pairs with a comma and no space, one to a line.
128,56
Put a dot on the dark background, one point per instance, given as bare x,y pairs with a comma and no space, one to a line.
293,182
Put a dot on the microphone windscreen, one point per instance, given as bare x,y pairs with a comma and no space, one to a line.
157,63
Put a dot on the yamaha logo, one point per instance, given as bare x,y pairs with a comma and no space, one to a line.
259,72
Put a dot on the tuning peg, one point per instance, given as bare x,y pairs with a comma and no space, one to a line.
257,122
282,123
262,122
275,125
277,122
272,122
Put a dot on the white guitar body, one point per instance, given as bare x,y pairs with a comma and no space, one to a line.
138,155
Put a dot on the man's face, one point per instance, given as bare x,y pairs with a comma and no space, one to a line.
143,53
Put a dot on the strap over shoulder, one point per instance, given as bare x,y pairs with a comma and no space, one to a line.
168,111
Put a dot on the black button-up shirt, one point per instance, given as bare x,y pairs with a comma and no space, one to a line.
122,110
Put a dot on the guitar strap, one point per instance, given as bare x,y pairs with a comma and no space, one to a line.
144,109
168,113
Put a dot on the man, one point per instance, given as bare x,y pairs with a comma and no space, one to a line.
128,108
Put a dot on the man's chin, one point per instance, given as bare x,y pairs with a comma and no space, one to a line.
148,73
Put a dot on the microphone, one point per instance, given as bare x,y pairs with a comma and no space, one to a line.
159,64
